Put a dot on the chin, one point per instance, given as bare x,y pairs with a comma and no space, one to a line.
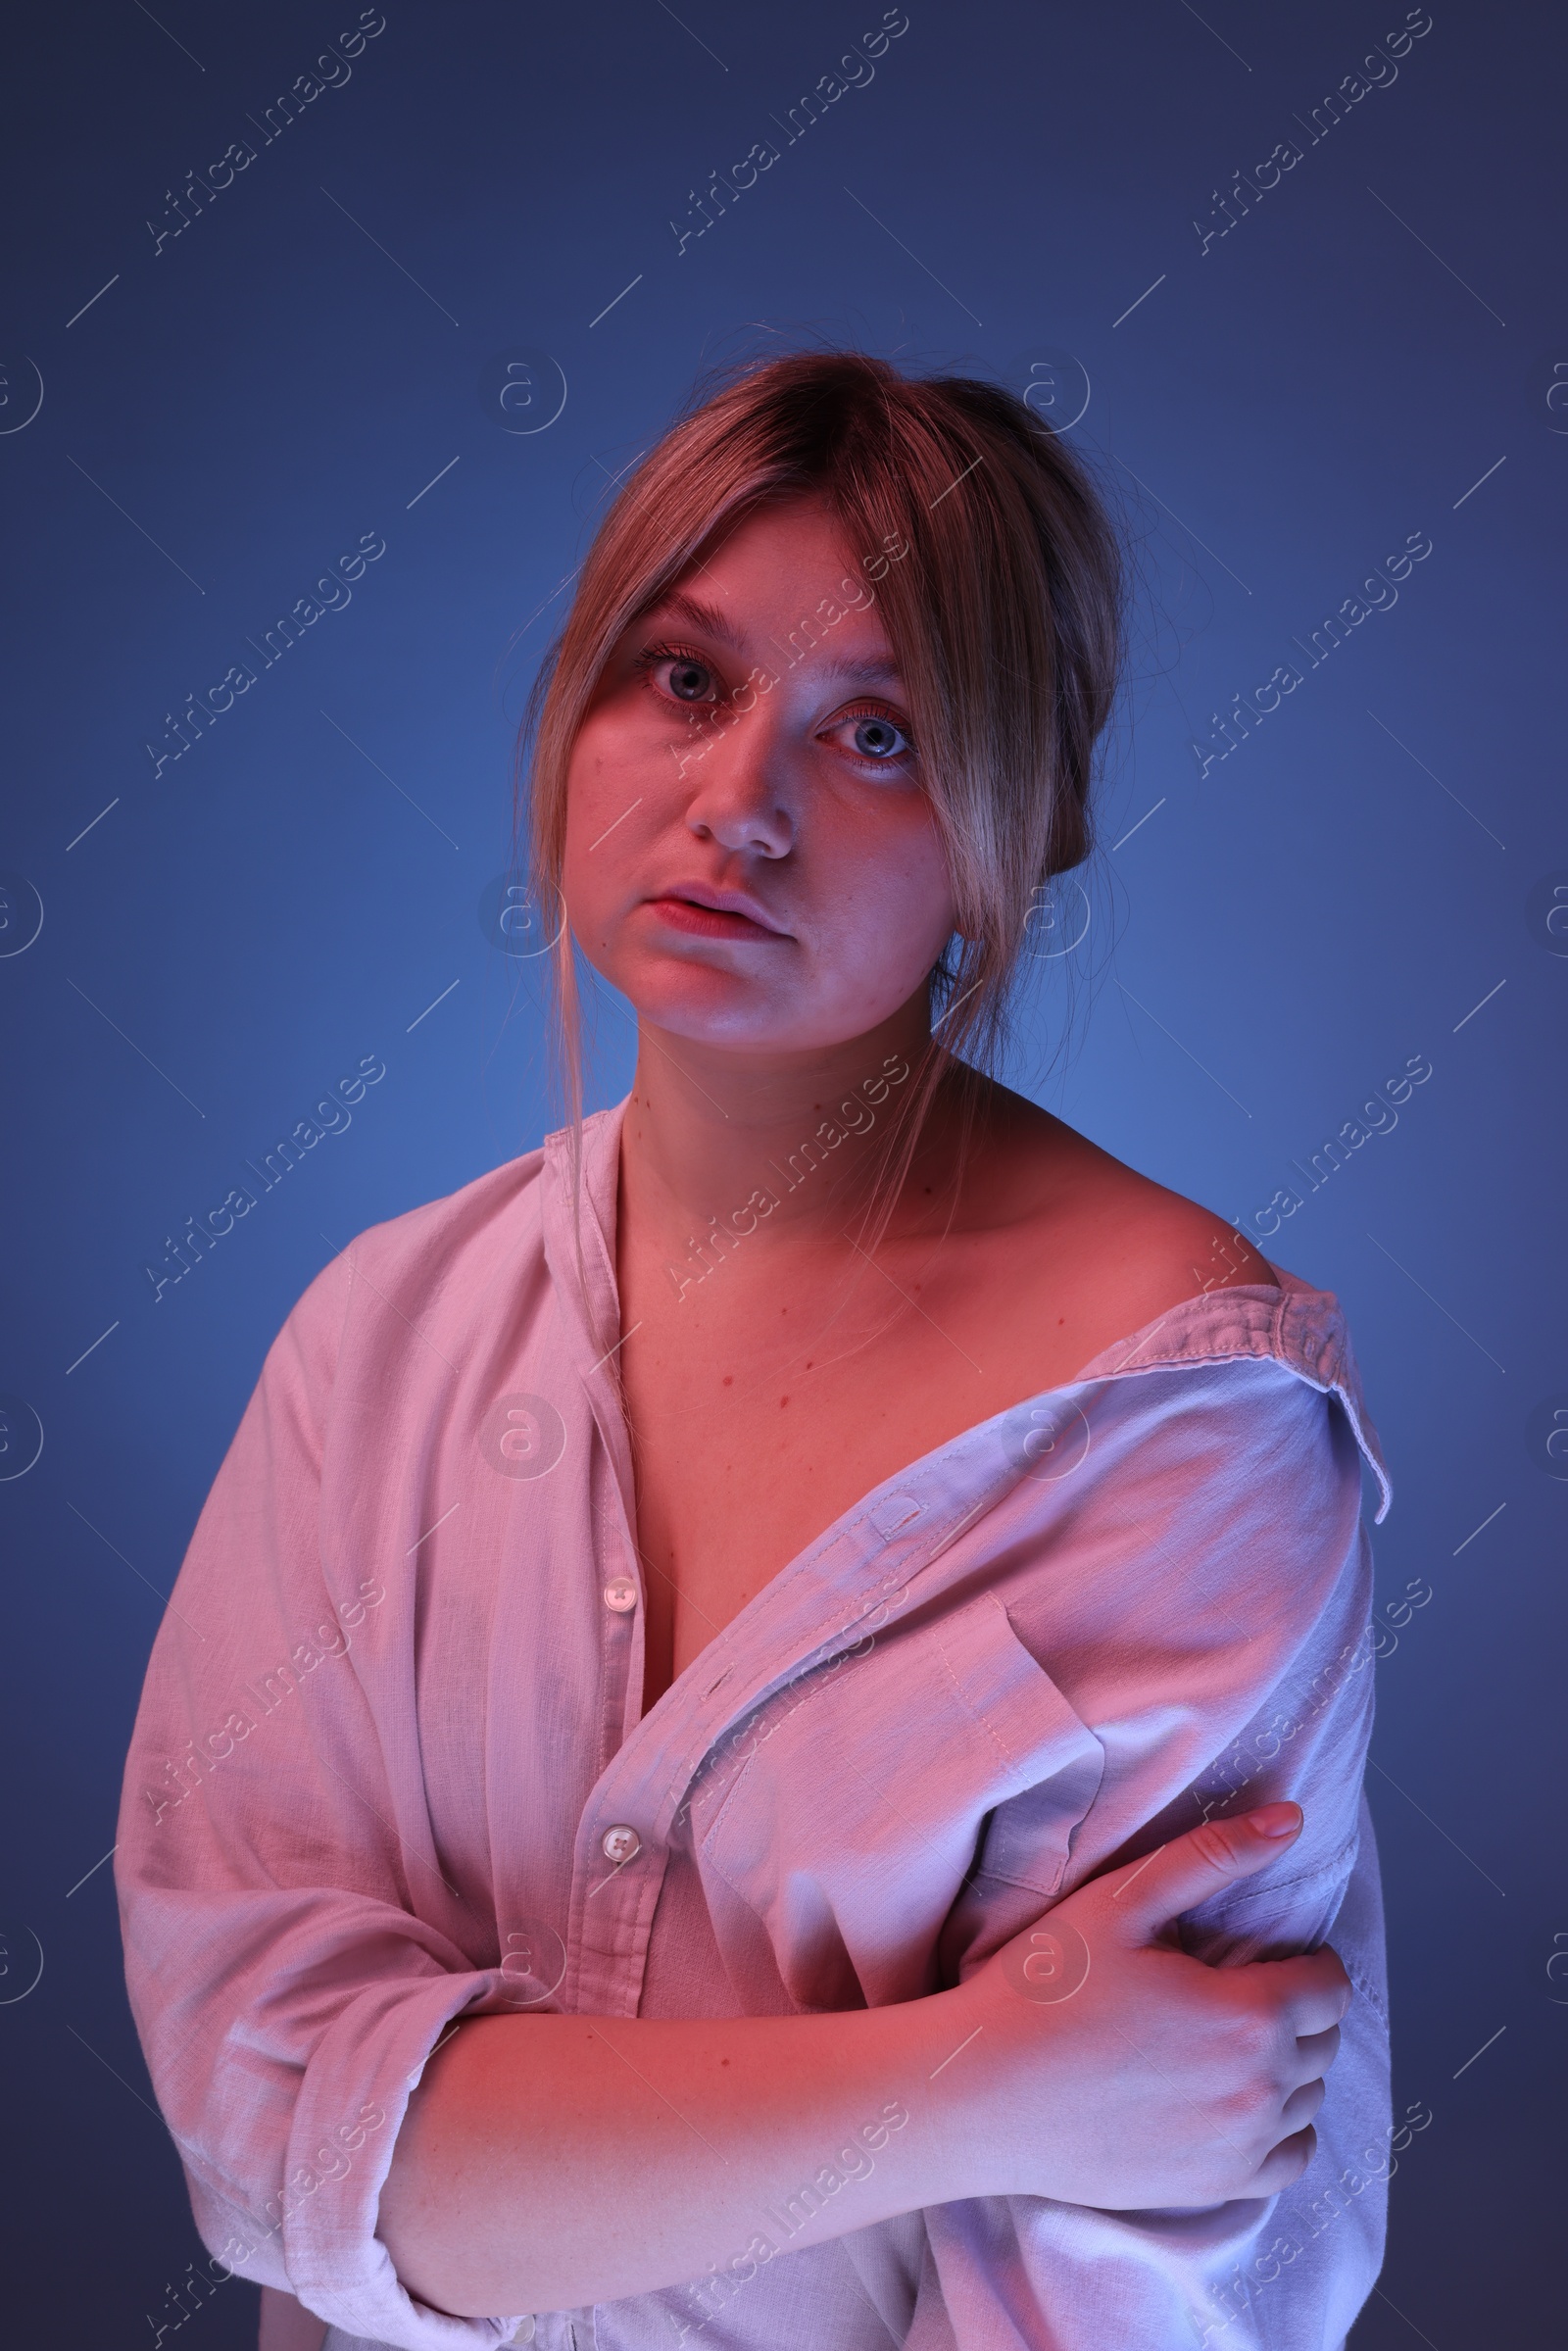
712,1005
718,1017
751,1027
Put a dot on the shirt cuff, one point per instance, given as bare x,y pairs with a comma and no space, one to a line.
346,2121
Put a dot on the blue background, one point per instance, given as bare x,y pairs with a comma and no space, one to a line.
1276,415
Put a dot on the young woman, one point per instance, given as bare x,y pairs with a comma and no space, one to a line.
763,1731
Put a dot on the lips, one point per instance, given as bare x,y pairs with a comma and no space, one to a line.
703,912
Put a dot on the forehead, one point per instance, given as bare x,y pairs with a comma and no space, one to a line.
784,572
784,531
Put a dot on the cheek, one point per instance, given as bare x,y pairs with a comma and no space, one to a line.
609,797
589,779
887,898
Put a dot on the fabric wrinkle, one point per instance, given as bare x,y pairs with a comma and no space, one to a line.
338,1828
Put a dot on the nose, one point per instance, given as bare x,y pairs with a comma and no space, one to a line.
742,791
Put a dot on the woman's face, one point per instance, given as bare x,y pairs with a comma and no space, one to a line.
750,856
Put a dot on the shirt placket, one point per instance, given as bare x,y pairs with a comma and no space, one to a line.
848,1584
823,1602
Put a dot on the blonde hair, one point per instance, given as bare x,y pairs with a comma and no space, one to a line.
1002,604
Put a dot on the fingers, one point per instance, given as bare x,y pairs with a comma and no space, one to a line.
1303,2104
1192,1868
1313,1991
1287,2163
1315,2052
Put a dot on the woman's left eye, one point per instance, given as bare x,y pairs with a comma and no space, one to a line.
873,736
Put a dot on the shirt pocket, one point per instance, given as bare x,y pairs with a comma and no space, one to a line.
938,1767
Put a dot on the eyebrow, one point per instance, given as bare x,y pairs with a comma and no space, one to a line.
714,623
868,673
706,616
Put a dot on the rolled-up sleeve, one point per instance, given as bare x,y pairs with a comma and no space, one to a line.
1212,1632
293,1952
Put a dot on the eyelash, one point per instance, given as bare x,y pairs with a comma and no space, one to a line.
653,657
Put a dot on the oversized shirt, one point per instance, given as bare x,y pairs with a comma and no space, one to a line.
391,1768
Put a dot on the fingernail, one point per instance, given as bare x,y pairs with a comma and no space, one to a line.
1275,1820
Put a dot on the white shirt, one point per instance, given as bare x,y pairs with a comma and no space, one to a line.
390,1766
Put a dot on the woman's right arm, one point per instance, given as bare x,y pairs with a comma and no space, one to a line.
548,2162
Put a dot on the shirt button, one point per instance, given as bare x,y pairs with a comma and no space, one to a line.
522,2333
620,1594
619,1844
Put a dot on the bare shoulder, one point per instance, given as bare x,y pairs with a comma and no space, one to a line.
1113,1249
1170,1240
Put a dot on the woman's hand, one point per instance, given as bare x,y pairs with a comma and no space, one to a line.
1096,2063
1114,2070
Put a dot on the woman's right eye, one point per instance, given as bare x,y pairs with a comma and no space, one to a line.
680,675
689,681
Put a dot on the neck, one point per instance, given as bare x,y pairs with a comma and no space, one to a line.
713,1138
